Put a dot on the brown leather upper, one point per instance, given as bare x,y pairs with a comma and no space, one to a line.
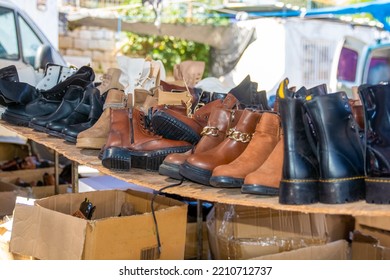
229,149
264,140
128,130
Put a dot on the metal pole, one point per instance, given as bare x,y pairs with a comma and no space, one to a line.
75,177
199,227
56,173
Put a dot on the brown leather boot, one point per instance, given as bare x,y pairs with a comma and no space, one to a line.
172,125
214,133
199,167
264,140
96,136
265,180
131,144
110,80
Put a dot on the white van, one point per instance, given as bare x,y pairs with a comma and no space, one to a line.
23,44
360,62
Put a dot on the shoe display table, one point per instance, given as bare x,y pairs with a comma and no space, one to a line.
187,189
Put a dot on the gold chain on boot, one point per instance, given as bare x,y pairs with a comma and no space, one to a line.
239,136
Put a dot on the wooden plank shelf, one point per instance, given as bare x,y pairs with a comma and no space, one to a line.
191,190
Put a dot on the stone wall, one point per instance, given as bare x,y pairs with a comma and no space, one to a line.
92,45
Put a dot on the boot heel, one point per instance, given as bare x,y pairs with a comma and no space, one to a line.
298,192
378,190
116,158
152,160
341,190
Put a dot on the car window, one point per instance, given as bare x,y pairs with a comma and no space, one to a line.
8,38
379,67
347,67
30,42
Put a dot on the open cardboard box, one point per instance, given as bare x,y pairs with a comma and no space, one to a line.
241,232
47,229
336,250
371,238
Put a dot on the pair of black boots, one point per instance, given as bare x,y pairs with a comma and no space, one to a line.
79,110
64,110
323,147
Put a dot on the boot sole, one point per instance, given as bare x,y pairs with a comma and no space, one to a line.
378,190
55,133
91,143
226,182
122,159
198,175
341,190
70,139
116,158
259,190
37,127
173,129
15,119
298,192
170,170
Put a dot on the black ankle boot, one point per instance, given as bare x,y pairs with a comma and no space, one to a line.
96,102
79,115
376,106
71,99
300,173
338,148
47,101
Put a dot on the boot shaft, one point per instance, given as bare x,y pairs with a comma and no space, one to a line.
110,80
376,104
220,121
338,146
299,160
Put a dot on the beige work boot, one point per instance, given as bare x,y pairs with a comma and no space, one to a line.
96,136
110,80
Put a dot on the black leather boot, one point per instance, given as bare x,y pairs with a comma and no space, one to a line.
338,148
376,106
45,102
300,173
96,102
71,99
9,73
79,115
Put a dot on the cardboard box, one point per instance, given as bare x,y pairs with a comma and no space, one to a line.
8,194
240,232
47,229
337,250
367,247
27,175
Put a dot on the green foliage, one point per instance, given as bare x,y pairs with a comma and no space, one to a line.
168,49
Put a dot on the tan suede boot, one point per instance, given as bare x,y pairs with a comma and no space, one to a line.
96,136
199,167
215,132
110,80
265,180
264,140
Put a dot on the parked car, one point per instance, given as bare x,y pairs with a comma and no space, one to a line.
23,44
